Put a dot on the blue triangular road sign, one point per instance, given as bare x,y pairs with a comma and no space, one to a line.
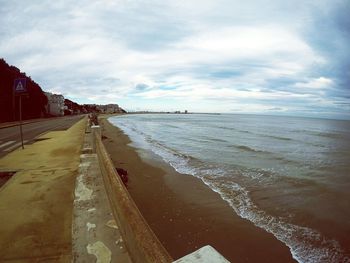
20,85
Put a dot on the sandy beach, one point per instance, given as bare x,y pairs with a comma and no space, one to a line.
183,212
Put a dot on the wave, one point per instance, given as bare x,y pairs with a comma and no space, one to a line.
217,140
272,155
256,134
163,147
227,128
172,126
247,148
234,129
306,244
329,135
279,138
321,134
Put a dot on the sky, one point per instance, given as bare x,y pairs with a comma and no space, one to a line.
262,56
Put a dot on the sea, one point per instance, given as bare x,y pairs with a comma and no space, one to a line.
287,175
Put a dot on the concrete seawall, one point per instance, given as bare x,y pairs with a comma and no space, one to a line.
140,241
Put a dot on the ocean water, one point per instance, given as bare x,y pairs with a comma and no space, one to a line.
289,176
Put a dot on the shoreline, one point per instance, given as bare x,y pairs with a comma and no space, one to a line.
184,213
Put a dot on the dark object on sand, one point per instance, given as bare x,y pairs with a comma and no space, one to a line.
104,137
123,174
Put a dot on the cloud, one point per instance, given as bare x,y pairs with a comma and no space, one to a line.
247,41
141,87
191,54
318,83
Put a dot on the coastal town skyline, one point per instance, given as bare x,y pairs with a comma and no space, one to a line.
267,57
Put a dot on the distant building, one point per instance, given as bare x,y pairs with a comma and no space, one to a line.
109,108
55,105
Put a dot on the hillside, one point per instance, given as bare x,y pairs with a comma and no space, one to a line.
37,103
33,105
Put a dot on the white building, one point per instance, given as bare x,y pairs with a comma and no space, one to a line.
55,105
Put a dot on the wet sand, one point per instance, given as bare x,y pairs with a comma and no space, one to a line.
183,212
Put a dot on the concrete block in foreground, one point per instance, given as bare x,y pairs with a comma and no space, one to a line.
205,254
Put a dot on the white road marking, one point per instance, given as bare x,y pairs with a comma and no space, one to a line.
6,143
14,146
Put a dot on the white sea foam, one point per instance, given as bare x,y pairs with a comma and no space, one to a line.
306,245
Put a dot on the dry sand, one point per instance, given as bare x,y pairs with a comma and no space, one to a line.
183,212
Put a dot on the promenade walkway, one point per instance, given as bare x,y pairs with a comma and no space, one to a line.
37,204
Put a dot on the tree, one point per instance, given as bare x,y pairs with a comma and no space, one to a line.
33,105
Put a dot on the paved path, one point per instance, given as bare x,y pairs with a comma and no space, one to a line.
36,204
10,137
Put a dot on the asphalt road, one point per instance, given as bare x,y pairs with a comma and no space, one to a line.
10,137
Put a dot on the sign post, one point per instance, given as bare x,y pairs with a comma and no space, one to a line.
20,89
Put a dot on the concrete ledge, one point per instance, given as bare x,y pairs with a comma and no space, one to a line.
141,243
205,254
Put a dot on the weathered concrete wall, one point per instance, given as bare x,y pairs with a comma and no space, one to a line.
141,242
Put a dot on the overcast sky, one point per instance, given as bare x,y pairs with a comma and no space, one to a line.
262,56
